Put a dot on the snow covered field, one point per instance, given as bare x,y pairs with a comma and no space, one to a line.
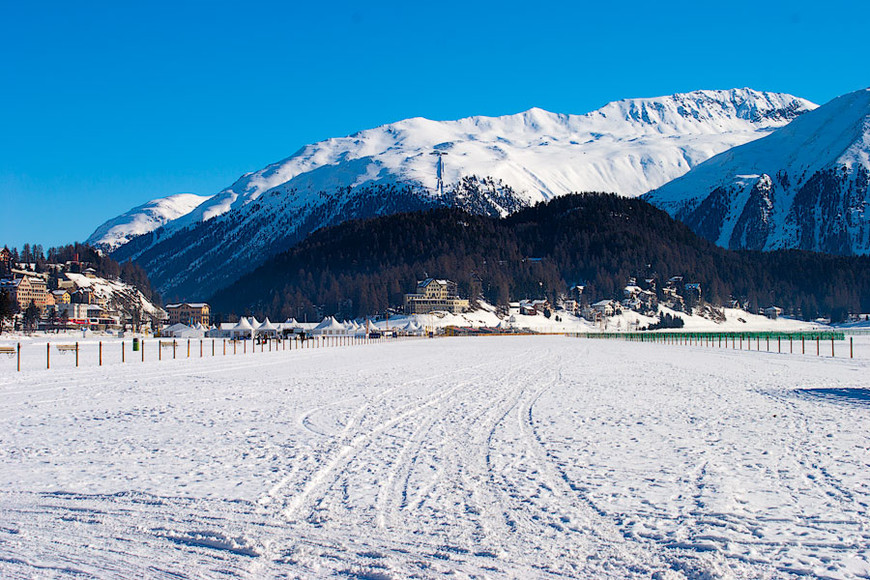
521,457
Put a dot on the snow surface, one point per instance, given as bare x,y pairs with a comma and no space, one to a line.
143,219
495,457
736,320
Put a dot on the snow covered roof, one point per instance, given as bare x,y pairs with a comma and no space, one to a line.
266,325
243,325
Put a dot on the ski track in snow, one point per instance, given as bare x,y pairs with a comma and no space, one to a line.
532,457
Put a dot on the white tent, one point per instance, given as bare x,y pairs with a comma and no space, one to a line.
329,326
242,330
267,329
414,328
182,331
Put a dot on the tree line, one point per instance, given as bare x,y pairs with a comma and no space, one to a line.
592,239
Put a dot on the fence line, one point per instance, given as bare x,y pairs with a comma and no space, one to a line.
280,345
715,339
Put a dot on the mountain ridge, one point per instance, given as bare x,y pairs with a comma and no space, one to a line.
494,164
804,186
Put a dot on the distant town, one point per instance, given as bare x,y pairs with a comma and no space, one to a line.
66,295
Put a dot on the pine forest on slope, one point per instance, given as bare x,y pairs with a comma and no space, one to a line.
600,240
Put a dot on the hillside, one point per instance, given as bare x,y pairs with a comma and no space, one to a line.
143,219
493,166
805,186
598,240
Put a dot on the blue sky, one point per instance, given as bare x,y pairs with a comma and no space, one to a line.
104,106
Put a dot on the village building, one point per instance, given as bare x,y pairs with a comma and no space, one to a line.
773,312
61,296
432,295
534,307
27,290
189,313
604,308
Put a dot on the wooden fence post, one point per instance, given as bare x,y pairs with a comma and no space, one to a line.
77,355
101,353
47,355
122,352
142,348
19,357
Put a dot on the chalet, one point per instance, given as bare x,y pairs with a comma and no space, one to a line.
534,307
435,295
189,313
61,296
631,291
773,312
604,308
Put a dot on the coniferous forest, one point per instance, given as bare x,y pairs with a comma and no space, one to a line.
595,240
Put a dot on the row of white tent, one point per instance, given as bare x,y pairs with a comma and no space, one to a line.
252,328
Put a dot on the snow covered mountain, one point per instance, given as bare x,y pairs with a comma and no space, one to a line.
805,186
143,219
494,165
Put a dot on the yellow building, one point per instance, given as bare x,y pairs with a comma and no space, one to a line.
188,313
61,296
433,294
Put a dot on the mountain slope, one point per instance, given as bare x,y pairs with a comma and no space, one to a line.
365,266
494,165
143,219
804,186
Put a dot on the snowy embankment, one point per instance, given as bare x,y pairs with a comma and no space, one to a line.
485,316
533,457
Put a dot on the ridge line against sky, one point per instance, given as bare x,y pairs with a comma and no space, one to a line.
106,106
